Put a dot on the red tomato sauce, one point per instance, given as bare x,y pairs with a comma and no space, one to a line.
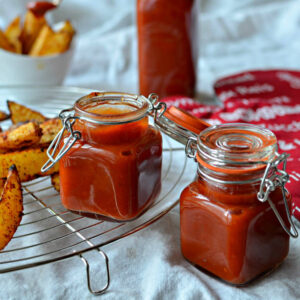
113,171
167,44
229,233
40,8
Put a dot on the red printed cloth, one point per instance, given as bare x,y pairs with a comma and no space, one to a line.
268,98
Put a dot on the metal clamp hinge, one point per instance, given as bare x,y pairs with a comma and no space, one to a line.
268,184
191,147
157,107
68,121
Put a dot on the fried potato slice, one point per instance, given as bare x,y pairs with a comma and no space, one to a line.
49,42
23,136
5,44
42,42
11,207
31,29
28,162
50,129
55,181
13,34
3,115
67,27
20,113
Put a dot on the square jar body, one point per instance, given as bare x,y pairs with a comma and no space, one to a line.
116,181
235,240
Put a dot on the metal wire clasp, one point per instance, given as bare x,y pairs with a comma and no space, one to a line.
158,108
68,119
268,184
191,147
166,125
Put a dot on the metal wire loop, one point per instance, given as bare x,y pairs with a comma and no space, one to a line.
153,98
68,121
191,147
88,275
278,179
157,107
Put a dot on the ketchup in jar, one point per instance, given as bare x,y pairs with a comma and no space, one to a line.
113,168
167,45
234,216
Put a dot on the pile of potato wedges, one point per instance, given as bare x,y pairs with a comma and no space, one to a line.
23,149
35,37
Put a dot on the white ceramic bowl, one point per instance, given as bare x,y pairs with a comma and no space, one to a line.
17,69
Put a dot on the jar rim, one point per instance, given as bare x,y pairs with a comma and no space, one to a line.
236,148
142,106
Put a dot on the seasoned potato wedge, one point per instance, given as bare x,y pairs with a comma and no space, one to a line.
13,34
2,183
49,42
67,27
42,42
28,162
5,44
24,135
55,181
50,129
20,113
3,115
31,29
11,207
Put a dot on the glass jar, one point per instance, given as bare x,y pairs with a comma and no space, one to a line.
233,216
110,160
167,46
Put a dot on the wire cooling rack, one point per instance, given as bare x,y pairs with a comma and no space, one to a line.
48,232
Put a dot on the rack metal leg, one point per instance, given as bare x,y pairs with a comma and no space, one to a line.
88,275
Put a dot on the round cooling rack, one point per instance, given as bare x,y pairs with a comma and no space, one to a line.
48,232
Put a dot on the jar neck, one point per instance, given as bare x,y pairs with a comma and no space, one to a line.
112,108
231,189
111,134
111,118
215,177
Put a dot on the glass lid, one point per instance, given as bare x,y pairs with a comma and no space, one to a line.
236,146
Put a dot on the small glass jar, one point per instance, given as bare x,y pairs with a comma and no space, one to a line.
233,216
110,160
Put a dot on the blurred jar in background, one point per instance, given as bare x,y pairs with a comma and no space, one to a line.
167,46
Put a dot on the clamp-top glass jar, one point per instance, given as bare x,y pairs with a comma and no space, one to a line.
110,163
233,215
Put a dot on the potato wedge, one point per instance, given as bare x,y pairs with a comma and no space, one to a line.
20,113
2,183
3,115
28,162
50,129
55,181
5,44
43,41
31,29
49,42
13,34
67,27
11,207
23,136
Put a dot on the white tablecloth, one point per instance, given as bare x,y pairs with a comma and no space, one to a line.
234,36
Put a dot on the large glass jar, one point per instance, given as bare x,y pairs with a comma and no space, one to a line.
167,46
112,168
233,216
